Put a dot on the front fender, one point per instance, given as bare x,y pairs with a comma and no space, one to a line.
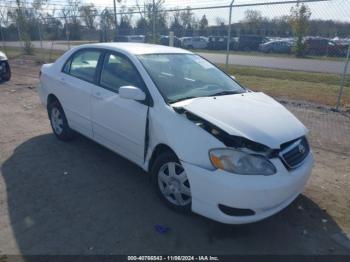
190,142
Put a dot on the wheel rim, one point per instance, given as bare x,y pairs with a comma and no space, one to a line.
173,184
56,120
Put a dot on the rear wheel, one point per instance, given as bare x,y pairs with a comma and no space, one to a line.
171,182
59,122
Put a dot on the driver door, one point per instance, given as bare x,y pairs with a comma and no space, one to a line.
119,123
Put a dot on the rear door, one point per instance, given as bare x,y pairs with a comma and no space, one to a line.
119,123
75,84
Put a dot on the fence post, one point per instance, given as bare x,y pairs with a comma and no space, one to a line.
154,22
41,40
67,35
115,18
342,84
171,38
228,36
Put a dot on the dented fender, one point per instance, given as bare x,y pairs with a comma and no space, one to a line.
190,142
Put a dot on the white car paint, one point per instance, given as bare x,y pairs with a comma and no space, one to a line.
248,115
120,124
196,42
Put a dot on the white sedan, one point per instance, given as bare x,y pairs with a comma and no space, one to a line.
210,145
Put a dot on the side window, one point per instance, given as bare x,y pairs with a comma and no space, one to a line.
118,71
66,67
84,65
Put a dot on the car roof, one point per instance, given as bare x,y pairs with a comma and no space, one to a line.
139,48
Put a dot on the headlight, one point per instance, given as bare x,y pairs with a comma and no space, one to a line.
3,56
239,162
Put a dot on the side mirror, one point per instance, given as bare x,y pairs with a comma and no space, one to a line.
132,92
233,77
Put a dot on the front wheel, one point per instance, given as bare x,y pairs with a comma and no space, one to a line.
171,182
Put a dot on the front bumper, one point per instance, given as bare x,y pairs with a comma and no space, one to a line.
265,195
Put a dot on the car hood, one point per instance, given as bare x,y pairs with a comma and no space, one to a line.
254,116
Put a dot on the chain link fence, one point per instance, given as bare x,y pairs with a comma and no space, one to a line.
297,50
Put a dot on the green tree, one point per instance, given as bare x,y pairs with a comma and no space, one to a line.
70,15
253,19
19,15
299,20
188,20
88,13
203,25
107,24
152,15
125,27
176,25
141,26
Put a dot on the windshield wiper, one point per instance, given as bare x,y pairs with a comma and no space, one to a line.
223,93
181,99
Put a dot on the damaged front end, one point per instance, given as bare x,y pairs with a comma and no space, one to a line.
227,139
292,153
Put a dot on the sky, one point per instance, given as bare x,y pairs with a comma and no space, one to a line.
329,10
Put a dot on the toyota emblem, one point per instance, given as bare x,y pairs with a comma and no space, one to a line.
301,149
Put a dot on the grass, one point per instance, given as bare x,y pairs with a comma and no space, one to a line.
256,53
39,55
313,87
297,85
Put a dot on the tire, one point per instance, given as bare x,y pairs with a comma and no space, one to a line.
171,186
7,77
59,123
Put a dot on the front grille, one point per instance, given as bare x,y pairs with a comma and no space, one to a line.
294,153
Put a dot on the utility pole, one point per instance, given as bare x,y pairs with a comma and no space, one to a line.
229,36
115,17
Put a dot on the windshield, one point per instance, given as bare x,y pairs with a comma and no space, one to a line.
183,76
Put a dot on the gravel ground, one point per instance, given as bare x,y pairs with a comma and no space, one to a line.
80,198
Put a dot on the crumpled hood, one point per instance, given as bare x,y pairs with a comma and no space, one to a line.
254,116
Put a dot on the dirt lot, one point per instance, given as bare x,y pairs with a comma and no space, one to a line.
79,198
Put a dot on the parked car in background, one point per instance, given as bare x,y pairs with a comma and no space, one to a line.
5,70
196,42
279,46
164,40
210,145
130,38
324,46
219,43
250,42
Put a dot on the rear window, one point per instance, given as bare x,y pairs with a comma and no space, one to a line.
83,65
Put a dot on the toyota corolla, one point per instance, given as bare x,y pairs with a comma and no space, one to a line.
211,145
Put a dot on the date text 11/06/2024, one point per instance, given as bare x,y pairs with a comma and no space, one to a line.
173,258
